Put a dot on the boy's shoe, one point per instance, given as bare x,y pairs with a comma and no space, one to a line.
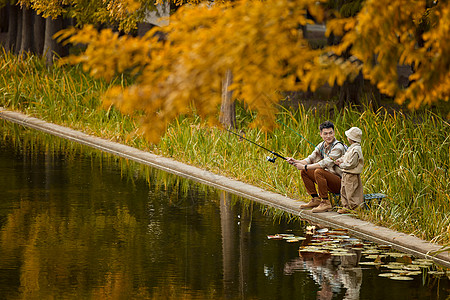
342,211
324,206
311,204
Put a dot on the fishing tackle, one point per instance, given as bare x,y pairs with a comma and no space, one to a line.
268,158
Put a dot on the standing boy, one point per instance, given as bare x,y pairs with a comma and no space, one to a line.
352,165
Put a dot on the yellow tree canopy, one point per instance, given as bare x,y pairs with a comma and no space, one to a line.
125,13
263,46
385,34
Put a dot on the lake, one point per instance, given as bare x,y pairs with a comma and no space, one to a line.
76,223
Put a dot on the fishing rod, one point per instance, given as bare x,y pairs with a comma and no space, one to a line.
270,159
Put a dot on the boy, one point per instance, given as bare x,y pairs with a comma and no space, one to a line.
352,165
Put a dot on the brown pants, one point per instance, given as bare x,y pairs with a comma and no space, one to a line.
326,181
351,191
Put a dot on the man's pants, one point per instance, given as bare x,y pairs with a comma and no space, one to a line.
326,181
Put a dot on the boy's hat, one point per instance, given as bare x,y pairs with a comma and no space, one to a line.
354,134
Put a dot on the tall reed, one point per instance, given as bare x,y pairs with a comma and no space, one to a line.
406,156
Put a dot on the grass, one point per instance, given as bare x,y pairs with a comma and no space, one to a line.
406,156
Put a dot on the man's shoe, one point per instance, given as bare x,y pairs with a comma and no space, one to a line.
311,204
324,206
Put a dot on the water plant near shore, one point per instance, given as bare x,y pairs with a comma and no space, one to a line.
406,156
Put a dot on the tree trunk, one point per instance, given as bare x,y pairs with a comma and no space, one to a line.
12,27
19,32
4,19
39,34
350,92
227,109
26,44
51,48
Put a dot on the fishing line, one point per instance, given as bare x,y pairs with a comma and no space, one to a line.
271,159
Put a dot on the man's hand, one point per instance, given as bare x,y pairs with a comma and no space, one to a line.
291,160
299,165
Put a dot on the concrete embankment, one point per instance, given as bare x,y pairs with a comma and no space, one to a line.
356,227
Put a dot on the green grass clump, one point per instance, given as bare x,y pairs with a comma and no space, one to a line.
406,156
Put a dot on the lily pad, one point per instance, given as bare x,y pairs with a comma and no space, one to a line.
437,273
387,274
368,252
373,256
405,278
412,268
370,263
384,247
414,273
337,253
394,254
394,266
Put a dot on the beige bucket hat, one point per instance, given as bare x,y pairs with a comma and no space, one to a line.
354,134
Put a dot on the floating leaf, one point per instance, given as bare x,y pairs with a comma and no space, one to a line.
370,263
387,274
371,251
437,273
411,267
384,247
405,259
374,256
415,273
394,266
394,254
401,278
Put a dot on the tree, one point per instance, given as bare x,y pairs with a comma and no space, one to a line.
397,36
32,23
262,45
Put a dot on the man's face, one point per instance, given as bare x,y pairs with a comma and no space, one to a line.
327,135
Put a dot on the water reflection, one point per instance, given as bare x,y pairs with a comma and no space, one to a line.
333,274
79,224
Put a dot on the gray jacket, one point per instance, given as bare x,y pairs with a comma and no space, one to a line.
324,155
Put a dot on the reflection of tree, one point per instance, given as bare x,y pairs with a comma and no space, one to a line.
230,275
236,260
84,228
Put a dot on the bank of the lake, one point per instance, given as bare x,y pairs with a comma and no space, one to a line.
407,157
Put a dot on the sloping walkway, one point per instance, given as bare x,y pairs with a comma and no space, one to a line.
356,227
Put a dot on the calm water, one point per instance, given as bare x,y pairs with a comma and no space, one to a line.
79,224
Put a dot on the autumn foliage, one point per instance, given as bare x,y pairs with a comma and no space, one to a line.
262,44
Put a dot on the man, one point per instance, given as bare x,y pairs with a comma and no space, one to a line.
320,168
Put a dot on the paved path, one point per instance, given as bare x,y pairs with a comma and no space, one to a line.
356,227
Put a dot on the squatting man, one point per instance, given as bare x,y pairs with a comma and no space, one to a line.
320,169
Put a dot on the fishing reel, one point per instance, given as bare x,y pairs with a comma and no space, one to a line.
271,159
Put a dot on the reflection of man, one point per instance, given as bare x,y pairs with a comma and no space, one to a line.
331,273
319,168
